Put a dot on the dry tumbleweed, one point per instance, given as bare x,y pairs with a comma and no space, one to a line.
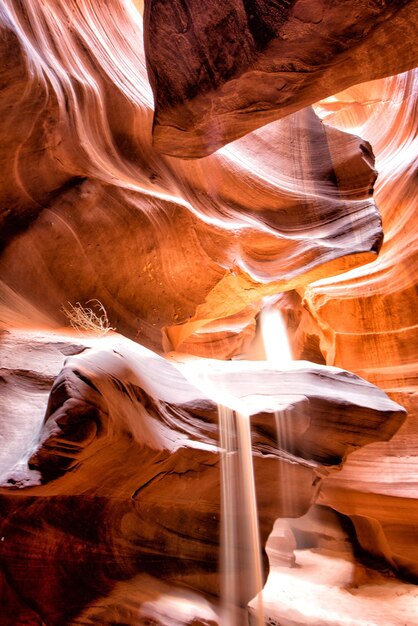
88,319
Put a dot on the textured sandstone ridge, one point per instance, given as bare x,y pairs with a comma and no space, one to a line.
185,247
220,71
366,321
130,449
183,254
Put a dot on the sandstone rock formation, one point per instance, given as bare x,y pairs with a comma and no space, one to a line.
372,327
130,450
219,72
199,241
183,254
366,321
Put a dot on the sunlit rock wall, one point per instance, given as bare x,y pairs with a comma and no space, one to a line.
179,252
122,478
103,198
368,320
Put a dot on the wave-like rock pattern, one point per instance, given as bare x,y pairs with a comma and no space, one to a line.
182,252
128,467
366,321
165,244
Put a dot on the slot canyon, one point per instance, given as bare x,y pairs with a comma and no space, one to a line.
208,313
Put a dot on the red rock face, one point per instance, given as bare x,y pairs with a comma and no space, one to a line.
220,72
128,465
184,247
176,203
382,347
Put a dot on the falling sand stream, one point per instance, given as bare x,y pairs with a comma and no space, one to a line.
241,564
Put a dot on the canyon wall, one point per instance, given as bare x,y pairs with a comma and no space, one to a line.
175,174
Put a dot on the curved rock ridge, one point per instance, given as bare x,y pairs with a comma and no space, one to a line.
366,321
219,72
183,253
130,450
187,248
380,297
29,364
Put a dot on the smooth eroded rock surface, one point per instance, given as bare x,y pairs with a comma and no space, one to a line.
112,507
180,253
126,478
219,72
